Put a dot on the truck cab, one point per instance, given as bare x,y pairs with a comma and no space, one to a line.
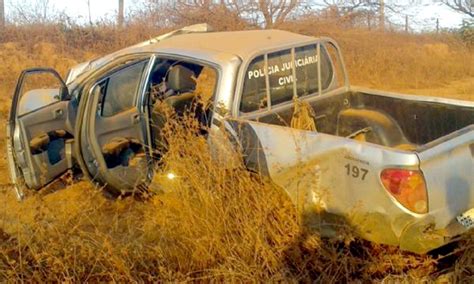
105,118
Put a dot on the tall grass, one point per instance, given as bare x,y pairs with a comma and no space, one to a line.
396,60
210,222
389,61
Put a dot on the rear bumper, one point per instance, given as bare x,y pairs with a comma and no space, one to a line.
407,232
421,237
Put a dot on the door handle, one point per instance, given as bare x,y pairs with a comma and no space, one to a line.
58,113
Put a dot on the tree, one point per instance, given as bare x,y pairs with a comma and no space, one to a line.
222,15
276,12
368,10
2,13
354,11
33,11
463,6
382,14
347,6
266,13
120,18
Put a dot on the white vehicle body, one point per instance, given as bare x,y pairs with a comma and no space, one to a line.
425,143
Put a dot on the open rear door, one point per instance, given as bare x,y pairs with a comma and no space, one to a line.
38,128
113,128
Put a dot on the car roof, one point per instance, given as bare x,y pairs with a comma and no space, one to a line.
218,47
240,43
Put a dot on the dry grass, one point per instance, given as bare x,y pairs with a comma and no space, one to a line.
388,61
396,61
461,90
212,222
225,225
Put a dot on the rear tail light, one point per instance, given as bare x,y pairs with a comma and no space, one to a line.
407,187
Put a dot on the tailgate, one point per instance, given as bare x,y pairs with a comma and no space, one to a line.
448,167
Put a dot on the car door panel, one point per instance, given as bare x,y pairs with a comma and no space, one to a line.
125,124
113,145
38,128
43,165
47,119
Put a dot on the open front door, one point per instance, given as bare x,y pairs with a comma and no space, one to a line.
113,128
38,129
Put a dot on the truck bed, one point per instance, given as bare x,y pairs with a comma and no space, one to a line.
401,121
430,136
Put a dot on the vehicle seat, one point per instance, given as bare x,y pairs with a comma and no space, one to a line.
181,84
159,73
372,126
181,80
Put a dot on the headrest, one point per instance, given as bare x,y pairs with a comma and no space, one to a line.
180,79
159,72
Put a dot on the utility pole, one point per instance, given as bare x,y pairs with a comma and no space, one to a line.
2,13
369,21
437,25
120,14
89,10
382,15
406,23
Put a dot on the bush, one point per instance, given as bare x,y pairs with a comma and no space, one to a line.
467,32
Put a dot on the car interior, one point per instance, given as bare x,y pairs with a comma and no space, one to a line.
175,89
179,89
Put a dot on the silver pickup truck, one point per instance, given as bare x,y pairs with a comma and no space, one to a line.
398,168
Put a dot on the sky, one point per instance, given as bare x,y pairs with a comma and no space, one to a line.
422,16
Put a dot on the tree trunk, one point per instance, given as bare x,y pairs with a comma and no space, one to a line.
369,21
89,10
120,18
406,23
2,13
382,15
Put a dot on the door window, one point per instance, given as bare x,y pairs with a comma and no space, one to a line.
37,128
38,90
120,89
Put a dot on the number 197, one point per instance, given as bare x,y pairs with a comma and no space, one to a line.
355,171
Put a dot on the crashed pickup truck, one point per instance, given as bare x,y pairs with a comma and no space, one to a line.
399,168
